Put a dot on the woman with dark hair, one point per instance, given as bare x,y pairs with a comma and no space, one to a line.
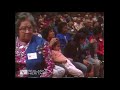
49,35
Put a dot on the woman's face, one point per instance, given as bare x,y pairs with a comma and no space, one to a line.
51,34
25,31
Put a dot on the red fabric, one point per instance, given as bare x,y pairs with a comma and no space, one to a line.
100,45
100,49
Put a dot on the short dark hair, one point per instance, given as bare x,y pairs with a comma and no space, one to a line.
84,30
79,36
60,26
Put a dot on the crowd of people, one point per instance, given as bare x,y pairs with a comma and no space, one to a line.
59,44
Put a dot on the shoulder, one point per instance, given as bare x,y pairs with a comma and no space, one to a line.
38,39
54,52
68,34
59,35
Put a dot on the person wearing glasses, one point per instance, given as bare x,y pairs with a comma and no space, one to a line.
32,53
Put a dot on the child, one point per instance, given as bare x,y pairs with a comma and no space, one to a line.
60,58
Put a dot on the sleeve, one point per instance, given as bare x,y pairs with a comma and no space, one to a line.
56,57
100,49
100,52
48,71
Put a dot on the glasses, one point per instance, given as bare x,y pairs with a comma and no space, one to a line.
29,28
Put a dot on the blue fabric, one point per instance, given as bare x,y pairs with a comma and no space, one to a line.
34,64
62,39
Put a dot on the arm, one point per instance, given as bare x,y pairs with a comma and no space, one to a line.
56,58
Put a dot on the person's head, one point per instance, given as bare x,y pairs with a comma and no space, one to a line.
96,24
25,25
80,37
88,23
48,33
85,31
70,24
62,27
56,46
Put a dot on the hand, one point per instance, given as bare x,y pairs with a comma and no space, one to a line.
93,41
86,62
64,61
53,40
70,59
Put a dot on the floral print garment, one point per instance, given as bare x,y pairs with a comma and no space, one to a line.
48,60
20,59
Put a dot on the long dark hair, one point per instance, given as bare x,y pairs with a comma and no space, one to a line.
45,32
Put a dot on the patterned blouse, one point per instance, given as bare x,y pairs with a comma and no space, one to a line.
20,59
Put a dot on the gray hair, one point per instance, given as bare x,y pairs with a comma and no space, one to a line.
21,16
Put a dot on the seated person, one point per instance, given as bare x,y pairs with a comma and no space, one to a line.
57,56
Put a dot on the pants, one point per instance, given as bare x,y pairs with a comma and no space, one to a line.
61,65
58,72
96,64
80,66
72,69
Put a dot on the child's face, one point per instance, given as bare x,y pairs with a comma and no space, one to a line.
57,47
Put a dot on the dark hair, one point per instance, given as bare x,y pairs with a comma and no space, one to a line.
79,36
45,32
84,30
60,26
